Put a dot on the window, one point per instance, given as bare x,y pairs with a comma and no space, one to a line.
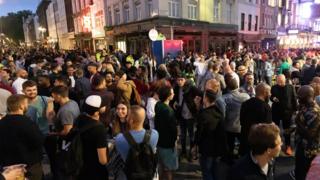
280,3
149,7
216,8
137,12
242,21
249,22
117,17
192,11
174,8
109,17
272,3
256,24
126,14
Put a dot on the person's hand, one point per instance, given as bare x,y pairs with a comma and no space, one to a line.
275,99
14,172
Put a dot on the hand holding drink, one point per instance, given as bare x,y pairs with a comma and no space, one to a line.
14,172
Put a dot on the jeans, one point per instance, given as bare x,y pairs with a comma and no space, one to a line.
186,125
208,165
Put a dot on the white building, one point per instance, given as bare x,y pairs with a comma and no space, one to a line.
62,16
52,30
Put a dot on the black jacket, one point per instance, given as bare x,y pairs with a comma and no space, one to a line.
166,125
253,111
287,100
189,93
210,134
21,141
246,169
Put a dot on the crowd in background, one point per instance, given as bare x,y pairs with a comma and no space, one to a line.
234,108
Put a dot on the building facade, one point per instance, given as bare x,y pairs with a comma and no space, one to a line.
90,20
31,31
201,25
268,23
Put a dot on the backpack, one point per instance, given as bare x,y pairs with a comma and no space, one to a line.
71,151
135,98
141,162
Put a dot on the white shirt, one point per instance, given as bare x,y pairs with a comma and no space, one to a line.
73,81
151,104
17,85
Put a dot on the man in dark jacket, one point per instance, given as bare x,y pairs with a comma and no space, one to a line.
185,108
265,143
254,111
21,140
210,135
284,104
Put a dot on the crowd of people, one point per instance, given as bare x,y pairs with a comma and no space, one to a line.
132,117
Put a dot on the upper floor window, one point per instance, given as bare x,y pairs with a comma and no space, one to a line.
126,14
137,12
192,11
216,10
242,21
174,8
149,8
117,17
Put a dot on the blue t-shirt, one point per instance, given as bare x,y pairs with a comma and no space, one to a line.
123,147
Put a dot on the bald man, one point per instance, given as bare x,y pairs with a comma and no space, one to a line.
254,111
307,131
137,132
22,76
284,104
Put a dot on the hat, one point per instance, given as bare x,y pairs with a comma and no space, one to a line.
92,104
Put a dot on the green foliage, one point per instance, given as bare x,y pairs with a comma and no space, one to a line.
12,25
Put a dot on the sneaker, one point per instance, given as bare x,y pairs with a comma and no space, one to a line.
289,151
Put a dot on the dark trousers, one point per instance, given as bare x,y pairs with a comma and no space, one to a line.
186,126
286,123
302,163
50,145
231,139
268,80
208,165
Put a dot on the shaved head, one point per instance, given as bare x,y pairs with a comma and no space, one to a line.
305,94
213,85
262,88
281,80
137,116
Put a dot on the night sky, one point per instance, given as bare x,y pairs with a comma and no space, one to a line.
16,5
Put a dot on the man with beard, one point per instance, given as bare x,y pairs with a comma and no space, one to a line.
20,139
284,104
254,111
307,131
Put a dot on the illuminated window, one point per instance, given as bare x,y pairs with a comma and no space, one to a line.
272,3
174,8
279,19
280,3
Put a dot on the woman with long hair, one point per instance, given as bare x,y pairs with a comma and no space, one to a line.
119,120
